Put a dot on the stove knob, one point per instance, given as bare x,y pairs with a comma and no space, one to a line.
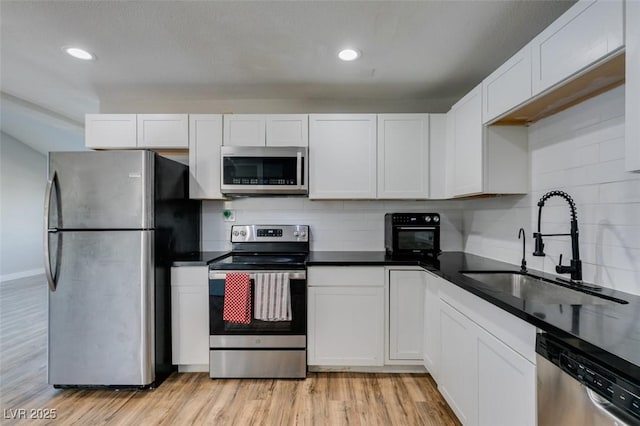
436,219
243,233
427,219
235,233
295,233
303,234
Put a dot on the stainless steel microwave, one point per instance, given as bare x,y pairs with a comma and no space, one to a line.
255,170
412,235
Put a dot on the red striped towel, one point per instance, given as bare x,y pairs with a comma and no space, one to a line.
272,298
237,298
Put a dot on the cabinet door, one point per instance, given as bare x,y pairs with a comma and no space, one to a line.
508,86
468,144
170,131
190,324
110,131
244,130
431,341
406,315
438,159
205,140
458,375
581,36
342,160
287,130
346,326
632,86
506,384
403,156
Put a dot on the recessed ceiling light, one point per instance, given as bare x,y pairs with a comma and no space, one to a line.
79,53
349,54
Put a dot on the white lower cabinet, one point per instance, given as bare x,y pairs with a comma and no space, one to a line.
458,375
406,315
190,318
431,328
506,384
345,315
485,381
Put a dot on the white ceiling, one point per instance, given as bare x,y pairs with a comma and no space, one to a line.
205,50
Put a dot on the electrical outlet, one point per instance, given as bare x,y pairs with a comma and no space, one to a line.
229,215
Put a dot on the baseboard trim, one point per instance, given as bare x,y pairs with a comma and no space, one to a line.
22,274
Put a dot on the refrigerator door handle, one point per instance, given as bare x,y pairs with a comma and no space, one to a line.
47,258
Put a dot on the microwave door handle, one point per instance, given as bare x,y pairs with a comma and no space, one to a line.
413,228
299,169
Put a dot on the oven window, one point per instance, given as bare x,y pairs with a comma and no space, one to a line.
297,325
416,239
261,171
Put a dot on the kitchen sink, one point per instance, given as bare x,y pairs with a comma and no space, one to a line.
539,290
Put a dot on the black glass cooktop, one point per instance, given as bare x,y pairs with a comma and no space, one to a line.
258,261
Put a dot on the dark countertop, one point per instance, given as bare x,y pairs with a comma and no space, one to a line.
609,333
197,258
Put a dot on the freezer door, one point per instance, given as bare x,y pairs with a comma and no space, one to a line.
101,190
101,319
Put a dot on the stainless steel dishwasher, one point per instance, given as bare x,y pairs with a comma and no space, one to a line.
576,390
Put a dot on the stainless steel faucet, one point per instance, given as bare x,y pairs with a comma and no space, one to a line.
575,266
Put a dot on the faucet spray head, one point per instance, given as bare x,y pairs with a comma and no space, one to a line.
539,245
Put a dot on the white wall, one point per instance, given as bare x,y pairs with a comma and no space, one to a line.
23,175
579,151
335,225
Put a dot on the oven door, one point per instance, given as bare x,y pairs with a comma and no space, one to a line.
416,240
271,333
264,170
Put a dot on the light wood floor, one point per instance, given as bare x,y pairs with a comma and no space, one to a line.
193,398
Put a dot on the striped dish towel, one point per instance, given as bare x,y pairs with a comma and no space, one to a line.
272,299
237,298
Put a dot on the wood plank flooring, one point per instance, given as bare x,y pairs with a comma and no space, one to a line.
193,398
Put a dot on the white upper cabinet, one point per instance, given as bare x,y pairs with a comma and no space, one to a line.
168,131
439,161
403,156
244,130
467,142
508,86
584,34
266,130
110,131
205,140
122,131
632,89
486,159
342,156
287,130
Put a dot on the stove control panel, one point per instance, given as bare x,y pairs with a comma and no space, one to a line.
269,233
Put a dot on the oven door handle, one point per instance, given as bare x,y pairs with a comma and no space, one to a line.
293,275
413,228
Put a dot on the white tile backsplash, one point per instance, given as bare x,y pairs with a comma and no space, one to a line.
580,151
335,225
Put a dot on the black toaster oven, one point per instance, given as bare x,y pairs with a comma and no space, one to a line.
412,235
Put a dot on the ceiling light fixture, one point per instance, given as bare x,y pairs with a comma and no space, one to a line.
349,54
79,53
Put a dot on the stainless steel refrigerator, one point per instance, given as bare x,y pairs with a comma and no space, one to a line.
113,221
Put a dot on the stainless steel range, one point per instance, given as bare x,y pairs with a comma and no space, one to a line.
258,304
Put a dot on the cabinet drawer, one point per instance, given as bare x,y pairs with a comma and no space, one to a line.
331,276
